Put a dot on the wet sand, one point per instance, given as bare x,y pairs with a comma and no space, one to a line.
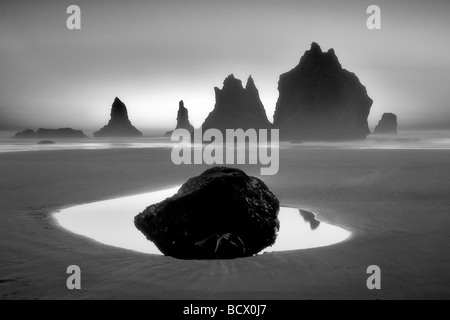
395,203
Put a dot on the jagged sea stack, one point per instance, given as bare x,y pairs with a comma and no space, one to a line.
182,119
319,100
237,107
119,125
387,124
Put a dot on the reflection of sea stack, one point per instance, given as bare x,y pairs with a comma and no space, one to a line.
387,124
119,125
221,214
237,107
321,100
182,119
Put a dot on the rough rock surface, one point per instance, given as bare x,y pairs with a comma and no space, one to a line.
220,214
237,107
319,100
182,120
119,125
65,133
387,124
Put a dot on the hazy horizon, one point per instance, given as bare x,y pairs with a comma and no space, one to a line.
153,54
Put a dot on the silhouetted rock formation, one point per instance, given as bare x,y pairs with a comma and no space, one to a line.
387,124
319,100
119,125
46,142
28,133
221,214
66,133
182,120
237,108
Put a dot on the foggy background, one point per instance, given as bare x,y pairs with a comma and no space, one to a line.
151,54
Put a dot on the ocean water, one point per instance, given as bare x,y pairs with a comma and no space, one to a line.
111,223
415,140
10,144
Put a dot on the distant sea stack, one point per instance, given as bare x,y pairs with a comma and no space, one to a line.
182,119
319,100
66,133
119,125
237,107
46,142
387,124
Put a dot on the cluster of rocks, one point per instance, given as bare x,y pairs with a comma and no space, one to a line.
119,126
318,100
224,213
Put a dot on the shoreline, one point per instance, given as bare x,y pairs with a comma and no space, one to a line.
373,194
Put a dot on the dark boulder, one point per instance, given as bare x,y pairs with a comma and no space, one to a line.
119,125
387,124
319,100
220,214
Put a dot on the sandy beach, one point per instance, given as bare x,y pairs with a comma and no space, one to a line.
395,203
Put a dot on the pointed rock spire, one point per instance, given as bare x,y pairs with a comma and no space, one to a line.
119,111
119,125
182,119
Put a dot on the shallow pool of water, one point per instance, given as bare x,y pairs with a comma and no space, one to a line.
111,222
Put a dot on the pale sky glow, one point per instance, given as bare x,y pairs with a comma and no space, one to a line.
151,54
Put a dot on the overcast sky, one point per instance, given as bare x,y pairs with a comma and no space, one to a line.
152,54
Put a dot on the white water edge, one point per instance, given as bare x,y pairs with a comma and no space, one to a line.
111,222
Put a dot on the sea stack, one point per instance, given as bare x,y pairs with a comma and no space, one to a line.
182,119
221,214
319,100
119,125
387,124
63,133
237,107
